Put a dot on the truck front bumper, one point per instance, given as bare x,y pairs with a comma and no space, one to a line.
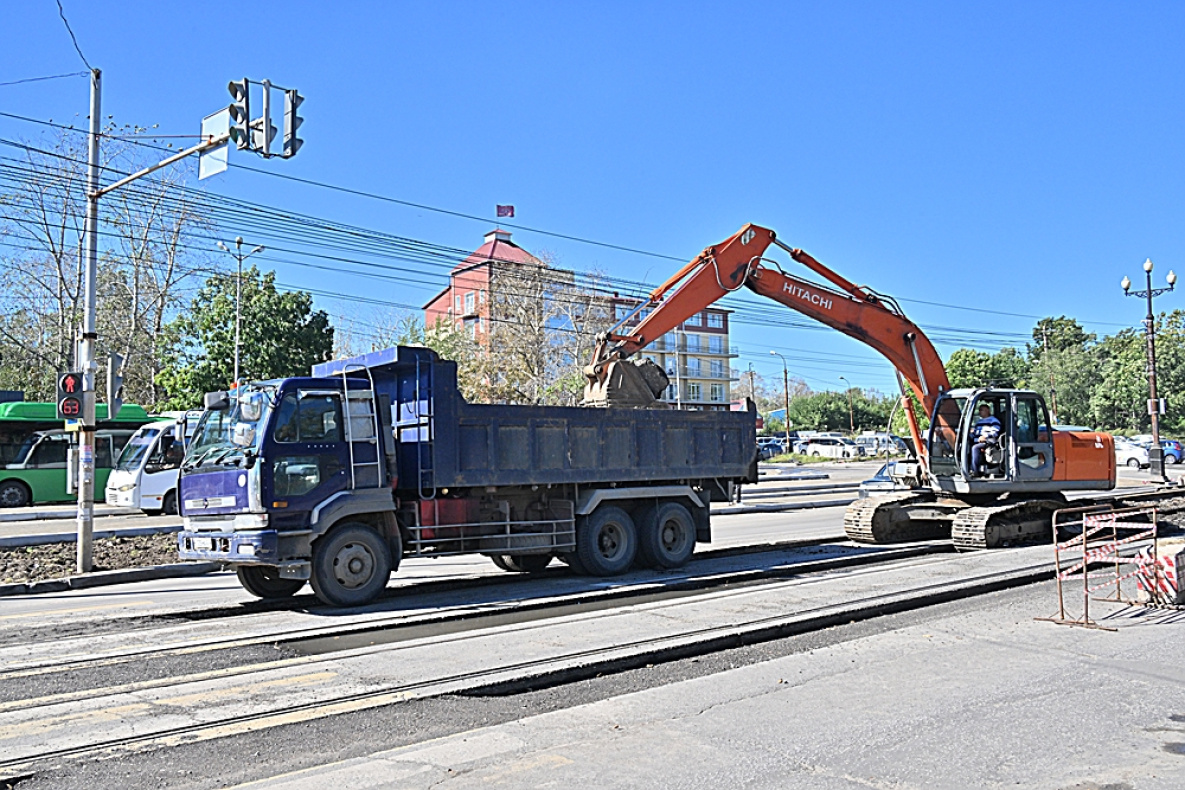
259,547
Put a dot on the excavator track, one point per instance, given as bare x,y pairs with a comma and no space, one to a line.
996,526
891,518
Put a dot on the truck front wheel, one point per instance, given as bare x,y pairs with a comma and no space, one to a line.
666,536
264,581
606,542
351,565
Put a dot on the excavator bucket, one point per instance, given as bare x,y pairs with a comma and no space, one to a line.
631,384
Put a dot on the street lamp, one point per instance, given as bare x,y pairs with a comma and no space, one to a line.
851,414
786,391
1156,452
240,257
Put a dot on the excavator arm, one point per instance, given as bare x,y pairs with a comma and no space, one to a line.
739,262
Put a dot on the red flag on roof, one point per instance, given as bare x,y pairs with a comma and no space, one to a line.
505,211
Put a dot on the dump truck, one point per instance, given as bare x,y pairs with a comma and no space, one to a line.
335,478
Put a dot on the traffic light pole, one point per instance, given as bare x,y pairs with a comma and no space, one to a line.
86,349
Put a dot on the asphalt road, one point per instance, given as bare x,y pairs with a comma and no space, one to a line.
974,693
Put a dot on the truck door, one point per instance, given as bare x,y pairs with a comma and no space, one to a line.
1032,445
305,455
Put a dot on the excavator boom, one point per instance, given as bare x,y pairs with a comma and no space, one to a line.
739,262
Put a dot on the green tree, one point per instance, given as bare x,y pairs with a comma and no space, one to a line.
967,367
829,411
281,336
1065,363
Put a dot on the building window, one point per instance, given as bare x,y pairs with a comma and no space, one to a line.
622,311
482,298
716,320
672,392
717,368
470,302
716,344
692,344
717,392
693,367
693,390
457,303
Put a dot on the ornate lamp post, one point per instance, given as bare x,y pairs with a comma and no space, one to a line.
1156,453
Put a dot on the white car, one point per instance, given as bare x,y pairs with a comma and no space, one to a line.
1131,454
832,447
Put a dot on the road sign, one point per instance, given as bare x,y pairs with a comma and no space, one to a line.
214,161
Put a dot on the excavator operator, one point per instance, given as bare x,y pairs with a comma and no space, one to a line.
985,433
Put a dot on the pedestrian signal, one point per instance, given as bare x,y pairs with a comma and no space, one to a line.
70,396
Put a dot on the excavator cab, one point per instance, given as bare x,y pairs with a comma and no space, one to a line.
1022,453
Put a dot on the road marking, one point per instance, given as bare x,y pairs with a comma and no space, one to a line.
247,689
43,612
39,726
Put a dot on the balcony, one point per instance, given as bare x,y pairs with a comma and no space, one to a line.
704,373
692,345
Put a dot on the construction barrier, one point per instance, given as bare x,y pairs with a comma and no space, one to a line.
1104,537
1163,568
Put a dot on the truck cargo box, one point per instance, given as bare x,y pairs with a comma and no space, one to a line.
445,442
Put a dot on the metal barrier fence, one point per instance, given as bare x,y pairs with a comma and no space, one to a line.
1102,536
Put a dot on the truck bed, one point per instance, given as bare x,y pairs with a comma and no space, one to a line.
446,442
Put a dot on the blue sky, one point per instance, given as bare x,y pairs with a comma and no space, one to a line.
1013,157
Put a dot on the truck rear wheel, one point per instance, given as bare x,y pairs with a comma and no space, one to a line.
264,581
351,565
606,542
666,536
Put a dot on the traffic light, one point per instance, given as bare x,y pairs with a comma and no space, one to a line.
257,142
114,384
240,112
292,122
70,396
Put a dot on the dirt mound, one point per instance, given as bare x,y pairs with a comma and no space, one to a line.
55,560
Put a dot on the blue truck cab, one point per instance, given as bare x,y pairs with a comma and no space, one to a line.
332,479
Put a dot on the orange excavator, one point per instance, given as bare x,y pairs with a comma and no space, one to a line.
1022,477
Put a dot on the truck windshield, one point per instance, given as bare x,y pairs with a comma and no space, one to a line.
136,449
224,437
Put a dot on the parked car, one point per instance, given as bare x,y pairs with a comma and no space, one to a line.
1131,454
833,447
881,482
1172,451
881,444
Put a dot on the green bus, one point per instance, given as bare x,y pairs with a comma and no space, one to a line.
33,450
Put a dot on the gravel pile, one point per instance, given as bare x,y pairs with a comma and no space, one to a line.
56,560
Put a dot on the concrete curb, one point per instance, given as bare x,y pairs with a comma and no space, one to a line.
791,625
102,578
20,541
734,510
40,515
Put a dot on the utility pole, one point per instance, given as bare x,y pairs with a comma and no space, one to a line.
239,257
786,392
752,387
86,348
1052,386
851,412
85,361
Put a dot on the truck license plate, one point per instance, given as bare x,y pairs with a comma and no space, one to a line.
203,544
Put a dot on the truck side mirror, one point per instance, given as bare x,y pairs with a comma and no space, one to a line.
218,401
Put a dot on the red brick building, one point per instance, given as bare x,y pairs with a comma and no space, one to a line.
466,300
